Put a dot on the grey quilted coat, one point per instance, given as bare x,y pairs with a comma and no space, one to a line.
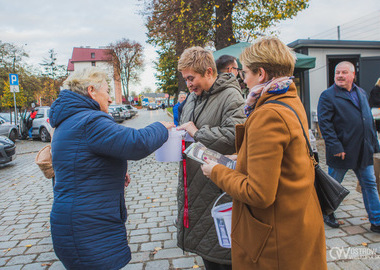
215,113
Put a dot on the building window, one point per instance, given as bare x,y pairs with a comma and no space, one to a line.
93,64
93,55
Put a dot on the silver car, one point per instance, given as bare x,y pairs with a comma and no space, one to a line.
123,111
41,124
7,129
132,110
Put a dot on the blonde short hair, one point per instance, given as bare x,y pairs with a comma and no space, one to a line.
197,59
80,80
272,55
378,82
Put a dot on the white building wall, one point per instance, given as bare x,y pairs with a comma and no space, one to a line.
104,66
318,76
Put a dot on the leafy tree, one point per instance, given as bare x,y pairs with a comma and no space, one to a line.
167,71
33,84
50,66
178,24
251,19
48,93
30,80
11,57
7,99
11,60
174,25
127,58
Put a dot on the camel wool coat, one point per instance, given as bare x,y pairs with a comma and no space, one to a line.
276,219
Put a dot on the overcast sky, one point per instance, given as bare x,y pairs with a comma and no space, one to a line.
39,25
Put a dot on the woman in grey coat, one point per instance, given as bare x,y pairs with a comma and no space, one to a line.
209,116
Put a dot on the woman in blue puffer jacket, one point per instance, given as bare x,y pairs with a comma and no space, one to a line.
90,153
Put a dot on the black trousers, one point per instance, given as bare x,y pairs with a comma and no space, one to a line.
216,266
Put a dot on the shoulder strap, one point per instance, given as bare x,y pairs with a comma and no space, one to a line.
311,153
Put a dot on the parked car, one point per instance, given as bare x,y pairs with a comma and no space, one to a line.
41,124
152,106
115,115
7,117
132,110
123,111
8,130
7,150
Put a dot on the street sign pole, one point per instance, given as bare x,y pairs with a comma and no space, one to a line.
13,87
14,99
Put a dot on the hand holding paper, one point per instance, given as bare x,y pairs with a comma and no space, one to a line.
207,167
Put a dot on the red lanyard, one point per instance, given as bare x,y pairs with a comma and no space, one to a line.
186,204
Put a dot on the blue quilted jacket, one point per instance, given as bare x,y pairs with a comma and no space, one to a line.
90,153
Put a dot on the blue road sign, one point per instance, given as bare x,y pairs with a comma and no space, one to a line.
13,79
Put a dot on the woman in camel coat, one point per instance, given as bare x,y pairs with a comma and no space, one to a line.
276,219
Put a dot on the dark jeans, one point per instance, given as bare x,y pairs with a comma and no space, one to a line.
367,180
216,266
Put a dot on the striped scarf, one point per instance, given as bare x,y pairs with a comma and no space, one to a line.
275,86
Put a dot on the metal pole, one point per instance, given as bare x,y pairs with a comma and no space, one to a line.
338,32
14,98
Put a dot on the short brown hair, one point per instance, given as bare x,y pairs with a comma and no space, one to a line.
197,59
272,55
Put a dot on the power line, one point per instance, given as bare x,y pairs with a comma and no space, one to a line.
364,27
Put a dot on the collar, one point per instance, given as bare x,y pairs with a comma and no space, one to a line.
354,87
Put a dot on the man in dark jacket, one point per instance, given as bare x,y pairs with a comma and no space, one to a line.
227,64
347,127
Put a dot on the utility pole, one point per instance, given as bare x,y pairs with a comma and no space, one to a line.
338,32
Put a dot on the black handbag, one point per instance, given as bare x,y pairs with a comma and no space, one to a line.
329,191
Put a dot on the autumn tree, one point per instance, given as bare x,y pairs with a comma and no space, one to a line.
127,58
166,67
180,24
251,19
31,81
48,92
51,79
174,25
7,99
11,60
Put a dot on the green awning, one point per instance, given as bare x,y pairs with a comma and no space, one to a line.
304,62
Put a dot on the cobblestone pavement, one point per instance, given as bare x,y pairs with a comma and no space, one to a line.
26,198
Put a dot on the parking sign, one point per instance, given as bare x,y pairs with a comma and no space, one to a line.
13,83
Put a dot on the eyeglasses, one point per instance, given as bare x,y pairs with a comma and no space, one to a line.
242,74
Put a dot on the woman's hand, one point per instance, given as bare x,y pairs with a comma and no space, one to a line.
127,180
207,168
189,127
233,157
168,125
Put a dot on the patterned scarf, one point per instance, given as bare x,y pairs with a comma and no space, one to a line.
275,86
